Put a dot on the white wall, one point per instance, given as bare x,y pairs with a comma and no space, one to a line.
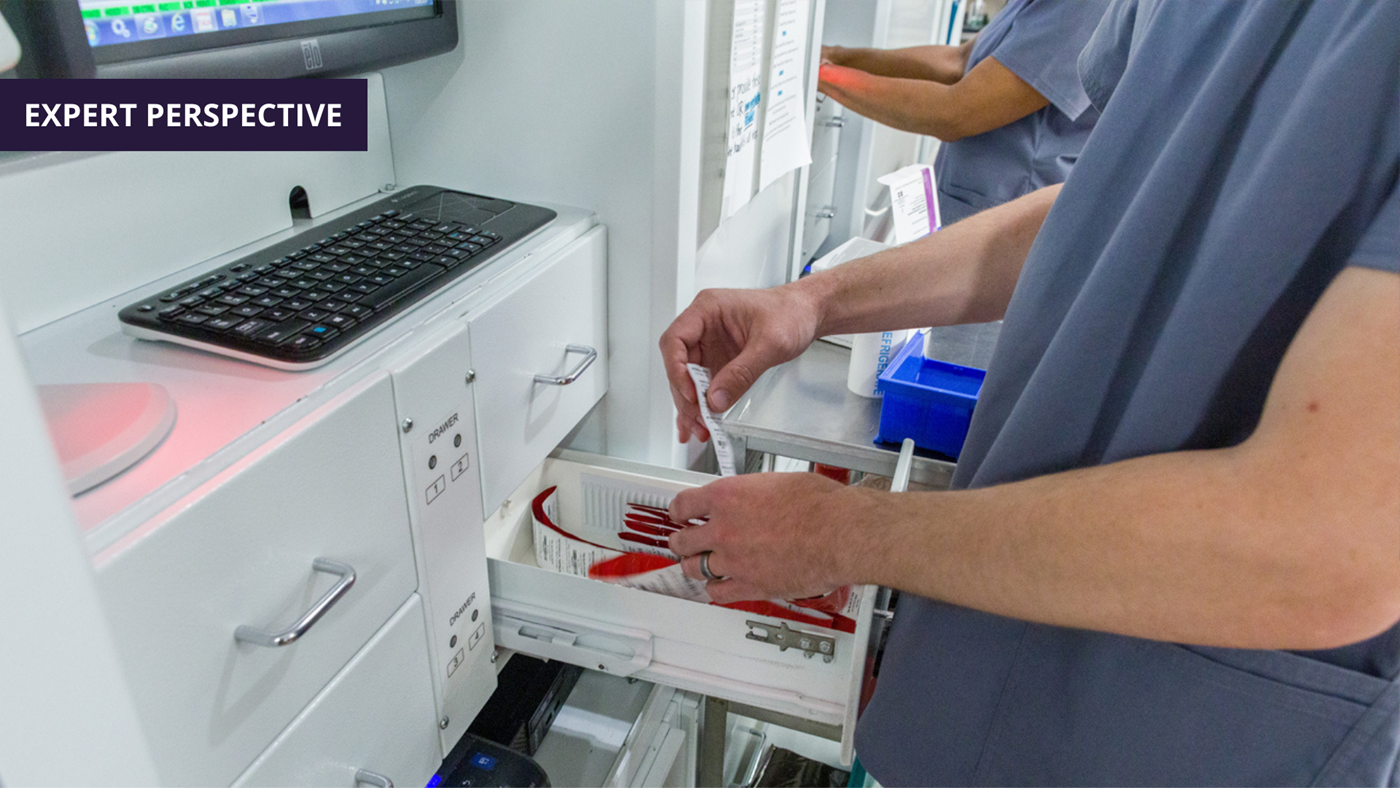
595,104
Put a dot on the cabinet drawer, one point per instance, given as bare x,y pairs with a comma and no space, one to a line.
550,326
239,551
667,640
377,714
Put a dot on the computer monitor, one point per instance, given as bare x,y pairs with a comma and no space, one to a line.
226,38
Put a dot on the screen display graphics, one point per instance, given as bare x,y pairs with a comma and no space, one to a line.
121,30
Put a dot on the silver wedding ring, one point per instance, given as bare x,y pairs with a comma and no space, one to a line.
705,567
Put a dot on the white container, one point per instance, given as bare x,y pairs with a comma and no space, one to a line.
870,354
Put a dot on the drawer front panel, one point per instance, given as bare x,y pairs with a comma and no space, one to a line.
377,714
239,551
547,327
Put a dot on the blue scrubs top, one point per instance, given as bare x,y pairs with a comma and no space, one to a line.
1248,151
1039,41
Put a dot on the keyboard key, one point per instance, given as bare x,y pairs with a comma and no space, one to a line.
320,276
394,271
250,327
349,296
350,260
365,287
287,292
267,301
379,279
351,243
389,214
171,312
491,235
321,331
238,269
223,322
335,251
297,255
460,254
357,272
359,311
422,257
252,291
314,315
333,287
297,304
209,280
192,318
430,235
301,343
401,287
248,310
315,295
407,264
333,306
303,265
339,236
447,261
278,315
336,268
191,301
272,281
390,257
210,292
434,249
470,247
444,228
303,283
232,300
248,277
212,309
365,225
280,332
482,239
341,322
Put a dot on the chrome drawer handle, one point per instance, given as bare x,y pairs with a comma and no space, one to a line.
258,637
372,778
590,356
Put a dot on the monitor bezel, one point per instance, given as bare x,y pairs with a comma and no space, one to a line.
52,32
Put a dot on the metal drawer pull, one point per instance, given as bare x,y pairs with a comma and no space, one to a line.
247,634
591,355
372,778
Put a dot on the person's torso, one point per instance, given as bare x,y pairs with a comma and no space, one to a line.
1038,150
1245,149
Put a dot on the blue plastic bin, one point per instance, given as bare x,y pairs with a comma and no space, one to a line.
929,401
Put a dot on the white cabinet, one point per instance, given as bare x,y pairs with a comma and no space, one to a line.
376,715
239,551
675,642
541,361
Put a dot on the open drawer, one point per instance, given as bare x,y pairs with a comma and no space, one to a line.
675,642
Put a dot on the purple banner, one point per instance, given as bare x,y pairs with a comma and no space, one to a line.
183,115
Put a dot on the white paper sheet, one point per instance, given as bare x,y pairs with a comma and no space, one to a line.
785,144
913,201
745,81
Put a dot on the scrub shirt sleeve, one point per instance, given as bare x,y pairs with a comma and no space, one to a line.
1105,56
1042,47
1380,245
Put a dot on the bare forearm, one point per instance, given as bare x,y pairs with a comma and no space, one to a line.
1288,540
964,273
943,64
914,105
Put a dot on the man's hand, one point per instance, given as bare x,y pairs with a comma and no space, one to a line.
772,535
737,334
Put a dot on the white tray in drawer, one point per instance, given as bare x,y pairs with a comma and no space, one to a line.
675,642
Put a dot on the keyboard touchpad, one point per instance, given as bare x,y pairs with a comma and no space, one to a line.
456,207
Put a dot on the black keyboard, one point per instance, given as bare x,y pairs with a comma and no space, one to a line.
301,301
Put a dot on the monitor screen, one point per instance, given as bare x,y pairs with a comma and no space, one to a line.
125,30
